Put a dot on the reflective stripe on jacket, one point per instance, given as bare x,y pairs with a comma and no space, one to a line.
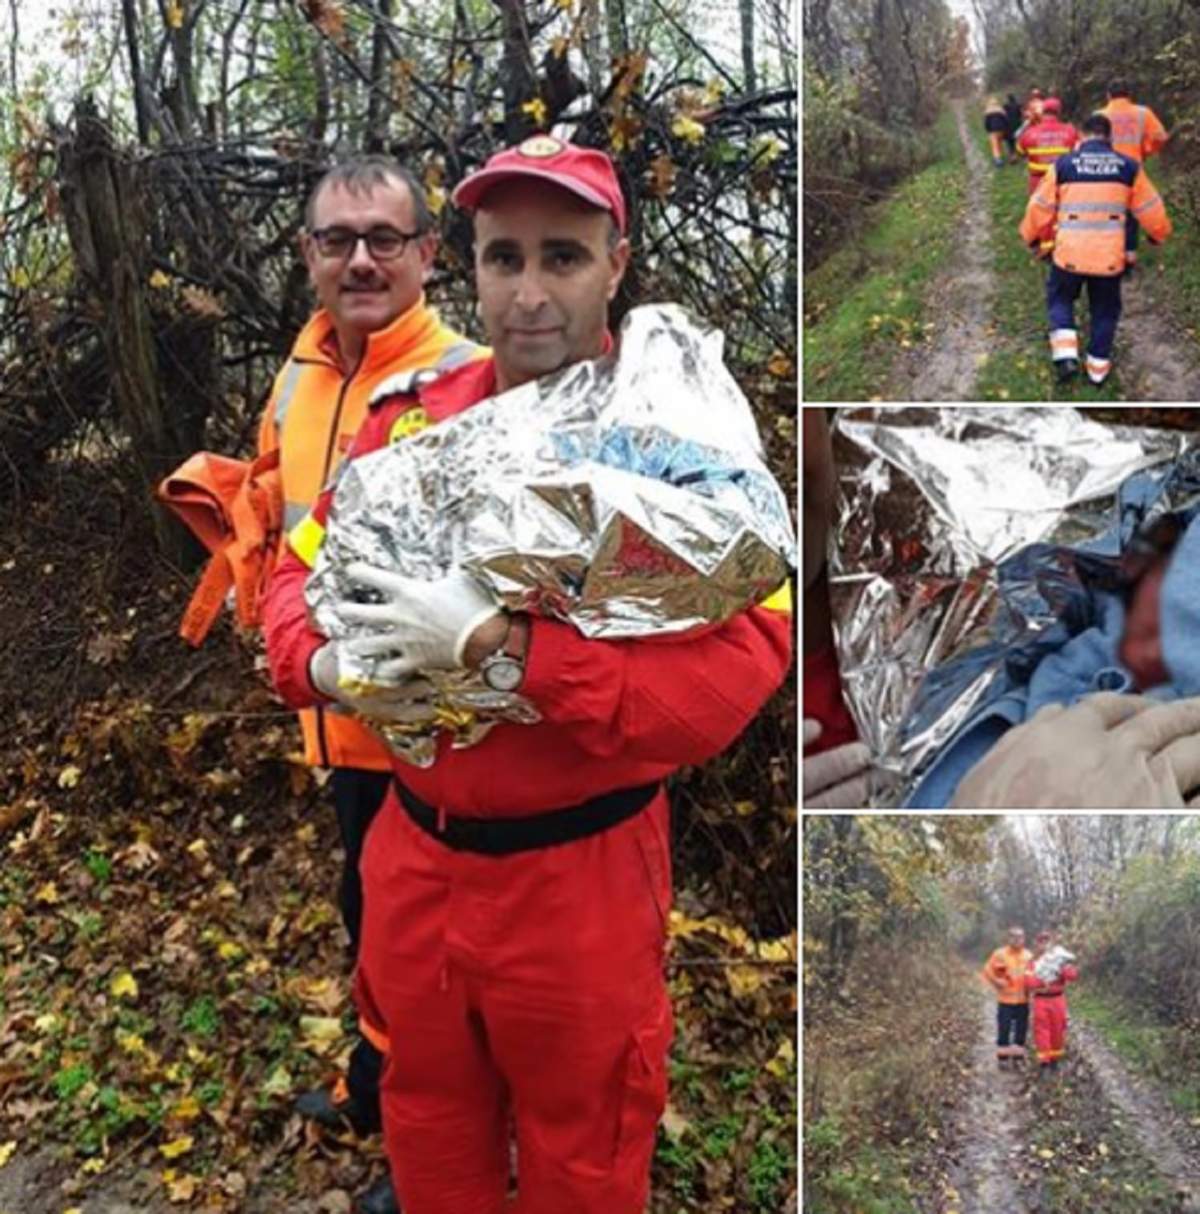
313,414
1083,201
1136,129
1045,141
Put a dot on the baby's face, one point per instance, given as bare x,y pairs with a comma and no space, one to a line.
1141,646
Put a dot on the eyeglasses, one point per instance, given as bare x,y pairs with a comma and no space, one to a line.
383,243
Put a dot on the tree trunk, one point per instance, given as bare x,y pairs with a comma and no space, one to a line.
106,228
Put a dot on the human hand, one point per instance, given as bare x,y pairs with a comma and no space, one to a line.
1108,751
834,779
421,626
405,701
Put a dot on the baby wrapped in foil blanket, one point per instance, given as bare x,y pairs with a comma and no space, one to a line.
1049,966
988,561
627,495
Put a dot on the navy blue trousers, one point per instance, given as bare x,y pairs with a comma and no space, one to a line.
1012,1023
1104,299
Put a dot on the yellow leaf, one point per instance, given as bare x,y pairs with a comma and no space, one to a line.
198,848
435,197
47,893
307,834
69,776
1045,1153
124,984
159,280
785,1058
564,5
687,129
73,1210
93,1167
1103,1148
744,809
320,1033
780,365
188,1109
46,1023
183,1189
174,14
6,1151
131,1043
20,278
744,980
228,950
714,91
536,109
176,1147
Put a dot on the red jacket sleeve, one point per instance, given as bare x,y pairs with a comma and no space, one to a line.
671,701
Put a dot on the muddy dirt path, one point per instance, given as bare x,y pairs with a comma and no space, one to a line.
1156,362
992,1123
944,369
1145,1113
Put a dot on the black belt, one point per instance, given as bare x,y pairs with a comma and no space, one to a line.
549,828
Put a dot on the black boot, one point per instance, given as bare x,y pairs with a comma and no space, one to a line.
1067,369
380,1198
335,1109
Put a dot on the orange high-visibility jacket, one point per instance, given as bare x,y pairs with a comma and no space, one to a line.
1008,965
1082,203
1045,141
235,509
311,418
1136,129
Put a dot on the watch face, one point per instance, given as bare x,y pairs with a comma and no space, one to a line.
502,673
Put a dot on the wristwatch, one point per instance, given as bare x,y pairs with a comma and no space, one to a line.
504,669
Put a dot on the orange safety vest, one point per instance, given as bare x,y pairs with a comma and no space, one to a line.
235,509
1008,965
1082,204
1136,129
311,419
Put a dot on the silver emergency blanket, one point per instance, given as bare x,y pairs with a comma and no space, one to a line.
929,503
1050,964
627,495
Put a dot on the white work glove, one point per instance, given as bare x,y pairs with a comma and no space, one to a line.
837,778
1108,751
422,626
407,702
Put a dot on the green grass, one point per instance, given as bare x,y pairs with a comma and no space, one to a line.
1179,258
868,300
1148,1046
865,1178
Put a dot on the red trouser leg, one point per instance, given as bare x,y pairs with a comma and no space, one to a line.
1050,1027
535,977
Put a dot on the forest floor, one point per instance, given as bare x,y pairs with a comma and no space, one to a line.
1090,1135
938,299
174,969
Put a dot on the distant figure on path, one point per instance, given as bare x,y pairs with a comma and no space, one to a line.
1005,973
1046,980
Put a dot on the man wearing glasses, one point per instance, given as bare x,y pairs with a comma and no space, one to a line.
368,244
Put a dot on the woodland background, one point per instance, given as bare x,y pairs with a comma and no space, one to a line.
172,957
900,914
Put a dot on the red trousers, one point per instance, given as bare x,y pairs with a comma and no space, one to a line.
526,990
1050,1026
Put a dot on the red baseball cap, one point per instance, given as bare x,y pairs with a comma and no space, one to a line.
586,172
1052,105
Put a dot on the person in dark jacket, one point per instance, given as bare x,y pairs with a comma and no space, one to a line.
1012,111
995,122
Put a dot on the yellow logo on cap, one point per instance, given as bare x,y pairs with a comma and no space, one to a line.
541,146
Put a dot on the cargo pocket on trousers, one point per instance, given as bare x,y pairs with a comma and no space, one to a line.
644,1094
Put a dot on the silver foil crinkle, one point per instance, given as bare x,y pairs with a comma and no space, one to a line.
627,495
930,502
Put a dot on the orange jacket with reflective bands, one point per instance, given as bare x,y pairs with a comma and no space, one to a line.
1136,129
1008,965
1045,141
313,414
1082,203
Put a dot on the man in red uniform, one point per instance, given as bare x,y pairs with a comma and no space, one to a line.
517,890
1049,1007
1044,141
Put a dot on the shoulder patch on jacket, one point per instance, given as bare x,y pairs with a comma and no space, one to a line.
411,421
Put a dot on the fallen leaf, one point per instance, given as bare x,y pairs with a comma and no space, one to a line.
176,1147
124,985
